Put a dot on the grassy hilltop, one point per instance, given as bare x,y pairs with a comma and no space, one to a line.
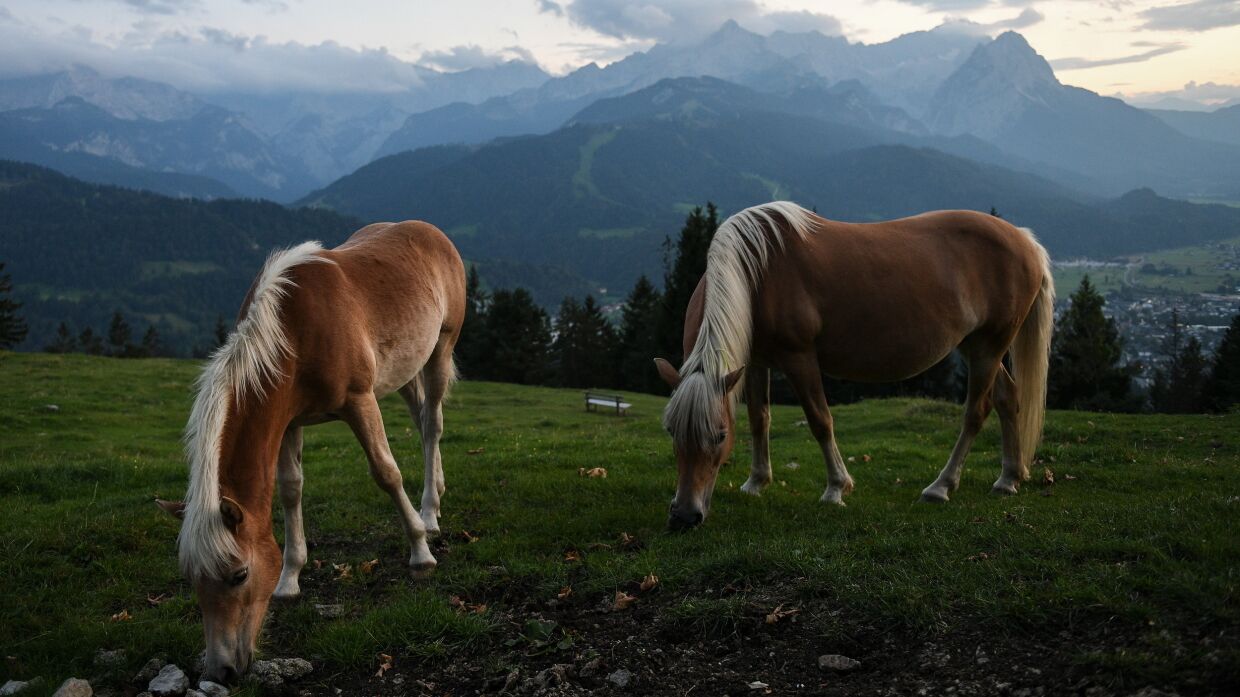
1122,574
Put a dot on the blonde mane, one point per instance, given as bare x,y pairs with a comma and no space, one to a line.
735,263
247,362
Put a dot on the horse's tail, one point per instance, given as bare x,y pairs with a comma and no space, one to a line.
1030,354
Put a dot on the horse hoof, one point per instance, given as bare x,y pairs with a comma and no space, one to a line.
754,488
286,596
933,496
1004,489
422,570
834,497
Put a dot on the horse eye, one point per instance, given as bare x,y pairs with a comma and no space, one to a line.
239,577
723,435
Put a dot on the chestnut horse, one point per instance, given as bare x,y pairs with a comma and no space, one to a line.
872,302
322,335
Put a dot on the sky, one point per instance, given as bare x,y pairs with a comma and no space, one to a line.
1139,49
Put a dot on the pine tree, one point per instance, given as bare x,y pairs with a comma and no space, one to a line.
585,345
472,346
13,328
1222,392
681,275
1085,370
90,342
221,331
151,343
118,335
1179,385
638,339
64,342
519,335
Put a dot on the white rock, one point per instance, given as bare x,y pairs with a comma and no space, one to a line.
12,687
212,689
74,687
171,682
834,661
329,611
620,678
149,671
277,671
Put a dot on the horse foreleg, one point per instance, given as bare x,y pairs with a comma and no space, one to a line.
289,476
1008,406
758,402
363,416
806,378
976,408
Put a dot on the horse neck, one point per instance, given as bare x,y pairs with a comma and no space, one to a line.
250,447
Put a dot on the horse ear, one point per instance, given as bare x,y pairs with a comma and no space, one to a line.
730,380
176,509
233,515
667,372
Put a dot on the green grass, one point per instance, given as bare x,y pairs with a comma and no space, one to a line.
583,181
1202,259
1143,537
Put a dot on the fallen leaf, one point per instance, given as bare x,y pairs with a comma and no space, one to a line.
980,556
385,664
1048,476
649,582
1069,477
564,592
627,540
456,602
478,609
597,546
572,555
469,539
758,685
623,601
368,566
318,563
475,451
122,616
866,457
344,571
156,599
779,613
593,472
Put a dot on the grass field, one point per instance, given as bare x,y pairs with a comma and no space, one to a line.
1203,260
1122,574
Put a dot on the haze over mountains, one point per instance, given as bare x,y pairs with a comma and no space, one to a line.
572,183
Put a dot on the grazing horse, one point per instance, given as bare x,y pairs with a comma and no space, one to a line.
872,302
322,335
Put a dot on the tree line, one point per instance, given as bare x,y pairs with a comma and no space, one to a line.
508,337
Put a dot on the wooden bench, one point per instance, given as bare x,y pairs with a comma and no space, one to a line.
595,401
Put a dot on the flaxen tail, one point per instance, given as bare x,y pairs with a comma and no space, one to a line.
1030,354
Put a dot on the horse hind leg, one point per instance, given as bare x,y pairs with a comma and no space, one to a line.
1008,406
758,403
977,407
289,476
436,378
366,421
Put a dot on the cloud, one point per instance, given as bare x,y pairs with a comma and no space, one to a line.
474,56
684,20
163,7
211,59
1196,15
949,5
551,7
1076,63
1027,18
1205,94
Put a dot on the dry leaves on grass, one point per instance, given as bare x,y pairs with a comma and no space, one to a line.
779,613
593,472
628,541
475,451
385,664
623,601
367,567
649,583
122,616
564,593
572,555
469,539
343,571
1048,476
318,563
866,457
155,600
980,556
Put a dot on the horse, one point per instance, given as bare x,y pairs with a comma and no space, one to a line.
873,302
321,335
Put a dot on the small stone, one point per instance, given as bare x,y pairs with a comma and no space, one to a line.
620,678
212,689
834,661
277,671
149,671
110,659
171,682
53,408
330,612
591,667
12,687
74,687
194,693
